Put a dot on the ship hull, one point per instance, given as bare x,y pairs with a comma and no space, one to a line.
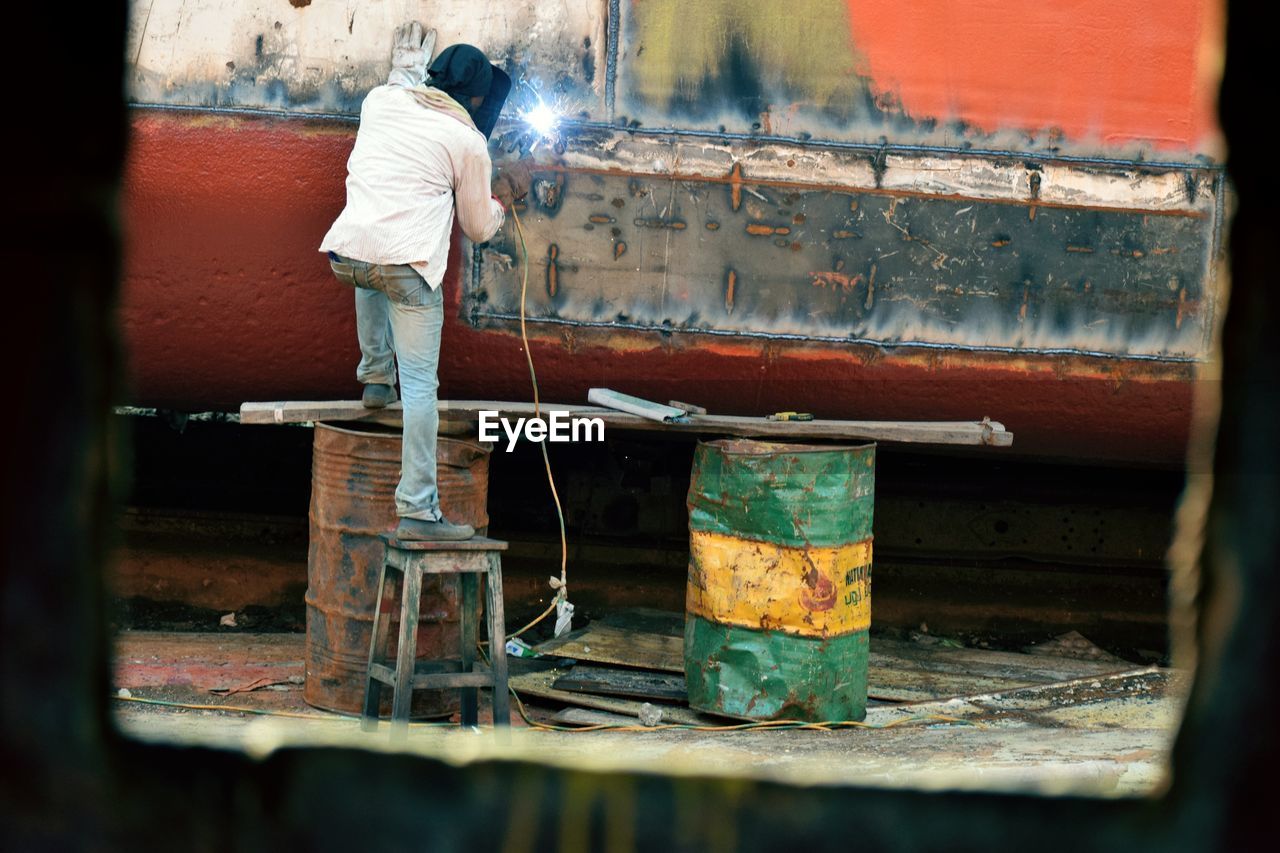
227,299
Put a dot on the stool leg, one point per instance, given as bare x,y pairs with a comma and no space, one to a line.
377,651
470,696
407,652
497,641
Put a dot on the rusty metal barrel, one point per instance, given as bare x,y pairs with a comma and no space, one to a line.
778,604
354,472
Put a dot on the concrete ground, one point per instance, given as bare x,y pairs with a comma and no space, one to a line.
1106,736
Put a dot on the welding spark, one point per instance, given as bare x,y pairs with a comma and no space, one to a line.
542,120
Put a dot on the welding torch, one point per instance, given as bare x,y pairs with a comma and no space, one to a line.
535,126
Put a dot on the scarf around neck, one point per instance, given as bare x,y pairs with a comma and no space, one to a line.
439,100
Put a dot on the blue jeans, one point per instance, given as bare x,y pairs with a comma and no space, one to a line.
398,320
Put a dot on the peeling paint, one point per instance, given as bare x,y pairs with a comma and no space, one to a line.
684,56
325,57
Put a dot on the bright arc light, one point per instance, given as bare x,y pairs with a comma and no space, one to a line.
542,119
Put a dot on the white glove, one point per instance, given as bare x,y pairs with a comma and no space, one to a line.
410,54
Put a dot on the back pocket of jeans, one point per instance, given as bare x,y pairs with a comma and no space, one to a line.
401,284
344,272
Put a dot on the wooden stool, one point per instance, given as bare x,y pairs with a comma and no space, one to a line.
470,559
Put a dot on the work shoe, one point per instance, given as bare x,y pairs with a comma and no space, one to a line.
433,531
378,396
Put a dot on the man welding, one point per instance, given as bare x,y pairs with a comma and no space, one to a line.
420,155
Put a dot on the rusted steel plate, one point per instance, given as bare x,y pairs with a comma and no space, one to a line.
820,258
633,683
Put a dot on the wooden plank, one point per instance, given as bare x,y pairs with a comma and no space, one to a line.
539,684
1039,668
475,543
910,672
600,643
887,681
452,680
633,683
461,416
896,671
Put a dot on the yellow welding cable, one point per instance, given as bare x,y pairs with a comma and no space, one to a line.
562,591
326,717
777,725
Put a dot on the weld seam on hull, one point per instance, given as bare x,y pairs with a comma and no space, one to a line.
830,339
883,192
612,34
860,147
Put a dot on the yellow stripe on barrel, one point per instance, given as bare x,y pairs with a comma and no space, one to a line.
809,592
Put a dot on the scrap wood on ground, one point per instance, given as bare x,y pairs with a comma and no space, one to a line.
636,656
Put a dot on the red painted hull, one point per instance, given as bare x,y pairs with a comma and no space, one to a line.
226,299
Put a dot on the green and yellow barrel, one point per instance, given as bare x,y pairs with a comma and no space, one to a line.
778,607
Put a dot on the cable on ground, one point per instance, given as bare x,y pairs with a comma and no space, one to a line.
772,725
760,725
330,717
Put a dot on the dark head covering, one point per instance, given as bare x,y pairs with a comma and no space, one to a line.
463,71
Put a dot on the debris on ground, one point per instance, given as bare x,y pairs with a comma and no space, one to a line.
260,684
638,654
650,715
922,639
1074,645
518,648
1080,725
